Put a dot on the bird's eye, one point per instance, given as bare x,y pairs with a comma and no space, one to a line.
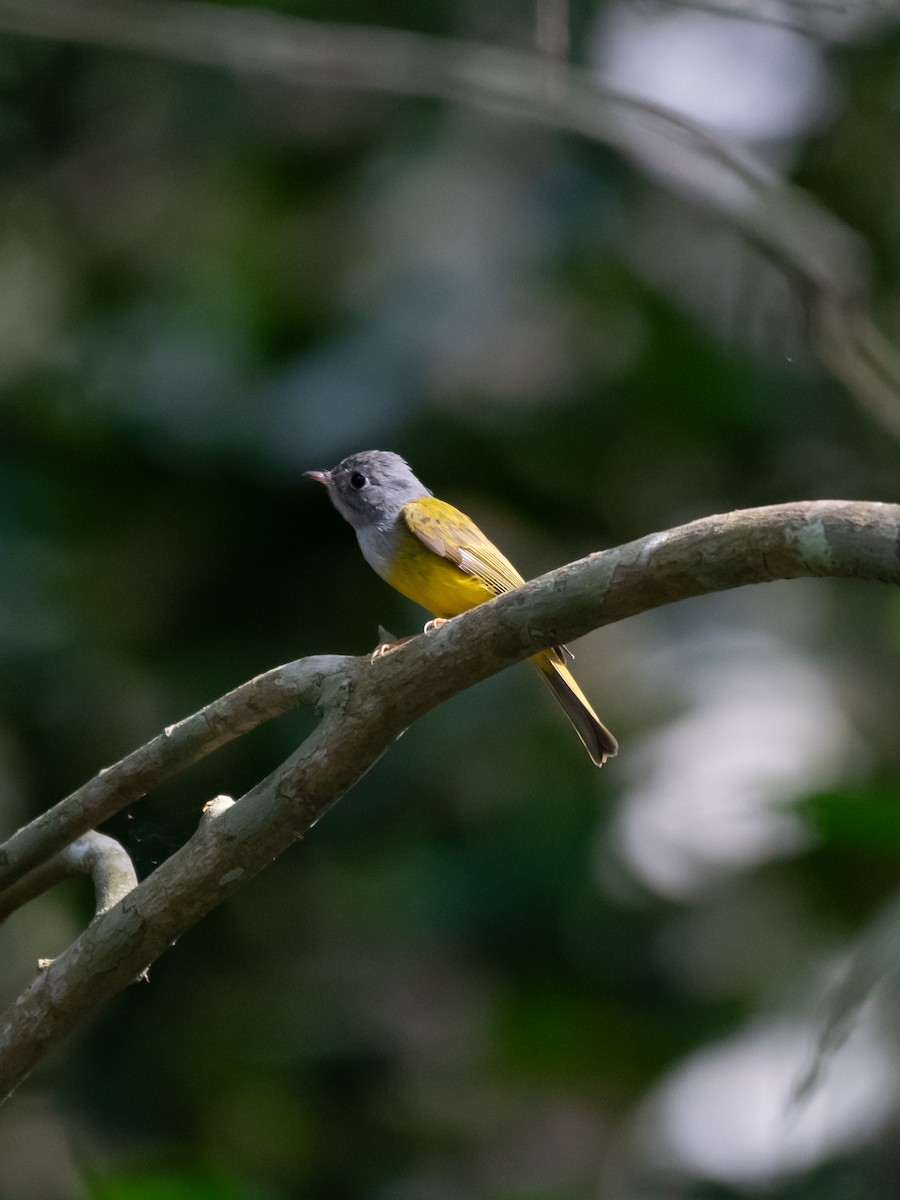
358,480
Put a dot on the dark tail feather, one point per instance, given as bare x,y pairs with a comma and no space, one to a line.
598,741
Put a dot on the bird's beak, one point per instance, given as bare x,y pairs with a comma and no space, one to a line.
319,476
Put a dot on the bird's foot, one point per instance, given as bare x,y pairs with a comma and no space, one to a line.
435,623
391,643
386,647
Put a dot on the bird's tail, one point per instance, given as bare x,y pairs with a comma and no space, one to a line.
598,741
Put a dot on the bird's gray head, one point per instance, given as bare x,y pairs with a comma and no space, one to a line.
370,488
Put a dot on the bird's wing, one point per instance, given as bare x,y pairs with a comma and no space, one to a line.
451,534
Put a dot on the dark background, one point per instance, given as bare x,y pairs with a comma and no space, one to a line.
491,971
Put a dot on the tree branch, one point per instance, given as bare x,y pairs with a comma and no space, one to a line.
94,854
824,260
366,705
177,747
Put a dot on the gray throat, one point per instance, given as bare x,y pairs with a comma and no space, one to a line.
377,542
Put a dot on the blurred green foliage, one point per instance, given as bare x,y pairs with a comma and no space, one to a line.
476,977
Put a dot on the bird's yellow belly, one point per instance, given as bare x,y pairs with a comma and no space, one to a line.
432,581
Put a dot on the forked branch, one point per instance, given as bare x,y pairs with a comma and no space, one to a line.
366,705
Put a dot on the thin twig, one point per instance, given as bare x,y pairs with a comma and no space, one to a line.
825,260
551,28
808,18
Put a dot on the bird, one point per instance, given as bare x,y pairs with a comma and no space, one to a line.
436,556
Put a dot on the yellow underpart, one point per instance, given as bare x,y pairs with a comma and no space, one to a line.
432,581
443,561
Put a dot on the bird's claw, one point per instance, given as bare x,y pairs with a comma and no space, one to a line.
387,647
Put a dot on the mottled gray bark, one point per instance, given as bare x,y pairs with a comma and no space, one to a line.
94,854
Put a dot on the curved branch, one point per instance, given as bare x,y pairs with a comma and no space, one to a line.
369,704
109,866
94,854
825,260
177,747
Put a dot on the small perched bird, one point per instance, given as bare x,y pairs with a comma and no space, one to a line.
435,555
